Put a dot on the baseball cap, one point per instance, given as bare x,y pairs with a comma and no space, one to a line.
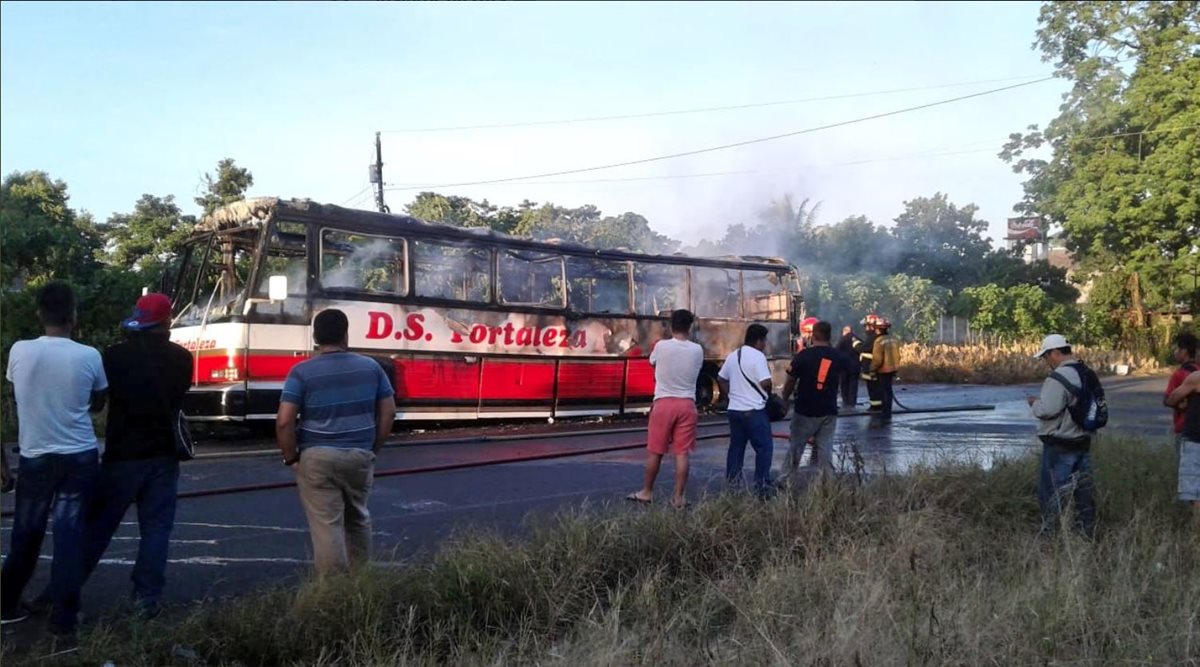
150,311
1051,342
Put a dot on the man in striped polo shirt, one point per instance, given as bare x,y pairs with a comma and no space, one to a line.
346,406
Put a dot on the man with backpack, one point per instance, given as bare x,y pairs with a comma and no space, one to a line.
1070,408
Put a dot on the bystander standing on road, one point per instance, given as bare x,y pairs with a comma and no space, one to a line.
745,378
1185,356
56,381
1187,397
346,407
815,375
1066,468
672,428
148,377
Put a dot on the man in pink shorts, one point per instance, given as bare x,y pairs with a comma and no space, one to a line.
676,363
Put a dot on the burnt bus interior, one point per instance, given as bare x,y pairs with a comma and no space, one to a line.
224,273
276,262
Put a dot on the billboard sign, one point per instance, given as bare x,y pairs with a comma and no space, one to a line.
1027,228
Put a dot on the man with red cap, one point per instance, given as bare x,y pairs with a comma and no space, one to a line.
148,377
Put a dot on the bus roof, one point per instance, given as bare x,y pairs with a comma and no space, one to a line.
260,210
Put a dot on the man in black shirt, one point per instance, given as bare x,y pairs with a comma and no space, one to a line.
148,376
815,375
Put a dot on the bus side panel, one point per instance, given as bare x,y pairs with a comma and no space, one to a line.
436,388
639,385
589,387
516,388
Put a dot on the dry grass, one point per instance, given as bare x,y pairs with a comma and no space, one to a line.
939,567
1010,363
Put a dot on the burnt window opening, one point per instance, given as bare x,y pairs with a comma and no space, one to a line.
659,289
363,263
286,255
717,292
598,286
454,273
765,296
531,279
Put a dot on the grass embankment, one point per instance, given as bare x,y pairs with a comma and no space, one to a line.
1010,363
940,567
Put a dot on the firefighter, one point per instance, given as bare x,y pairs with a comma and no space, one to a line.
885,360
806,332
875,403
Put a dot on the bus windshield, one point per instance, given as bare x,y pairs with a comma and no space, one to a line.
213,276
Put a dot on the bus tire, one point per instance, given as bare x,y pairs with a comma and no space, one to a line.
708,393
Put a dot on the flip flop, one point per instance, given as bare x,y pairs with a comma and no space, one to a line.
634,497
681,506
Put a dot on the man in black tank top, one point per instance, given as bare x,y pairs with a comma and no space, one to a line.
1187,397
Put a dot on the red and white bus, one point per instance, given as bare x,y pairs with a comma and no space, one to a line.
470,323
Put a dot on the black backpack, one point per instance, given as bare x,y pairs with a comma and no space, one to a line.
1089,409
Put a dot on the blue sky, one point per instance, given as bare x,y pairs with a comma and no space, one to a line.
129,98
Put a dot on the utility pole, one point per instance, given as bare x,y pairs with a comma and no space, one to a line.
376,176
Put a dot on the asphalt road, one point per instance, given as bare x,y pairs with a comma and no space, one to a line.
230,544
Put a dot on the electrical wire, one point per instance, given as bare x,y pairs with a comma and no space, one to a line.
737,144
680,112
894,158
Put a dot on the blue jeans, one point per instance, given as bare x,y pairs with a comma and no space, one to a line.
1066,473
152,484
752,425
62,484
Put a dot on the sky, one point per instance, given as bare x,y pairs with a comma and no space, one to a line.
122,99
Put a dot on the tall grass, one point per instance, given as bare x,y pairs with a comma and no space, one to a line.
939,567
1008,363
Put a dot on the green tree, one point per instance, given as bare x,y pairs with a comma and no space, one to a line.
940,241
147,239
43,238
1123,172
229,185
854,245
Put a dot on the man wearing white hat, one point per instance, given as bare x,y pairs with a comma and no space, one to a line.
1066,468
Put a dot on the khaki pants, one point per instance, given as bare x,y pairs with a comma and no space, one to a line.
334,484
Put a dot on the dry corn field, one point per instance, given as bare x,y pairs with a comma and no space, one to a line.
1010,363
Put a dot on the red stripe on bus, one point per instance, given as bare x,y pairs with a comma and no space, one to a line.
590,380
436,378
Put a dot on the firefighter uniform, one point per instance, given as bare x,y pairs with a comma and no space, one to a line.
885,360
865,359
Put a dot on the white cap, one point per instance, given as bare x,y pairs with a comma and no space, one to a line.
1051,342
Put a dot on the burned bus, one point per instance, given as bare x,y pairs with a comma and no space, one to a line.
468,322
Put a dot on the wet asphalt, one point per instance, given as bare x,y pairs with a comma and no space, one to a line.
231,544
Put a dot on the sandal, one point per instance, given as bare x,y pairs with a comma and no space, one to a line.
634,497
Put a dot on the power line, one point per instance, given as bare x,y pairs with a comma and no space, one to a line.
678,112
665,177
744,171
737,144
356,195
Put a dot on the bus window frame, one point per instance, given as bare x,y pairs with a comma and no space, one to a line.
550,256
741,293
192,246
633,283
406,294
416,297
631,308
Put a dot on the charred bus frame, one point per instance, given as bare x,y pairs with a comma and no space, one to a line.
495,350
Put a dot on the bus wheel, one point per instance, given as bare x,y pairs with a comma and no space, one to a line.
707,391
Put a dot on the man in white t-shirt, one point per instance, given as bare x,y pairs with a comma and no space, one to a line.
56,381
676,361
745,378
